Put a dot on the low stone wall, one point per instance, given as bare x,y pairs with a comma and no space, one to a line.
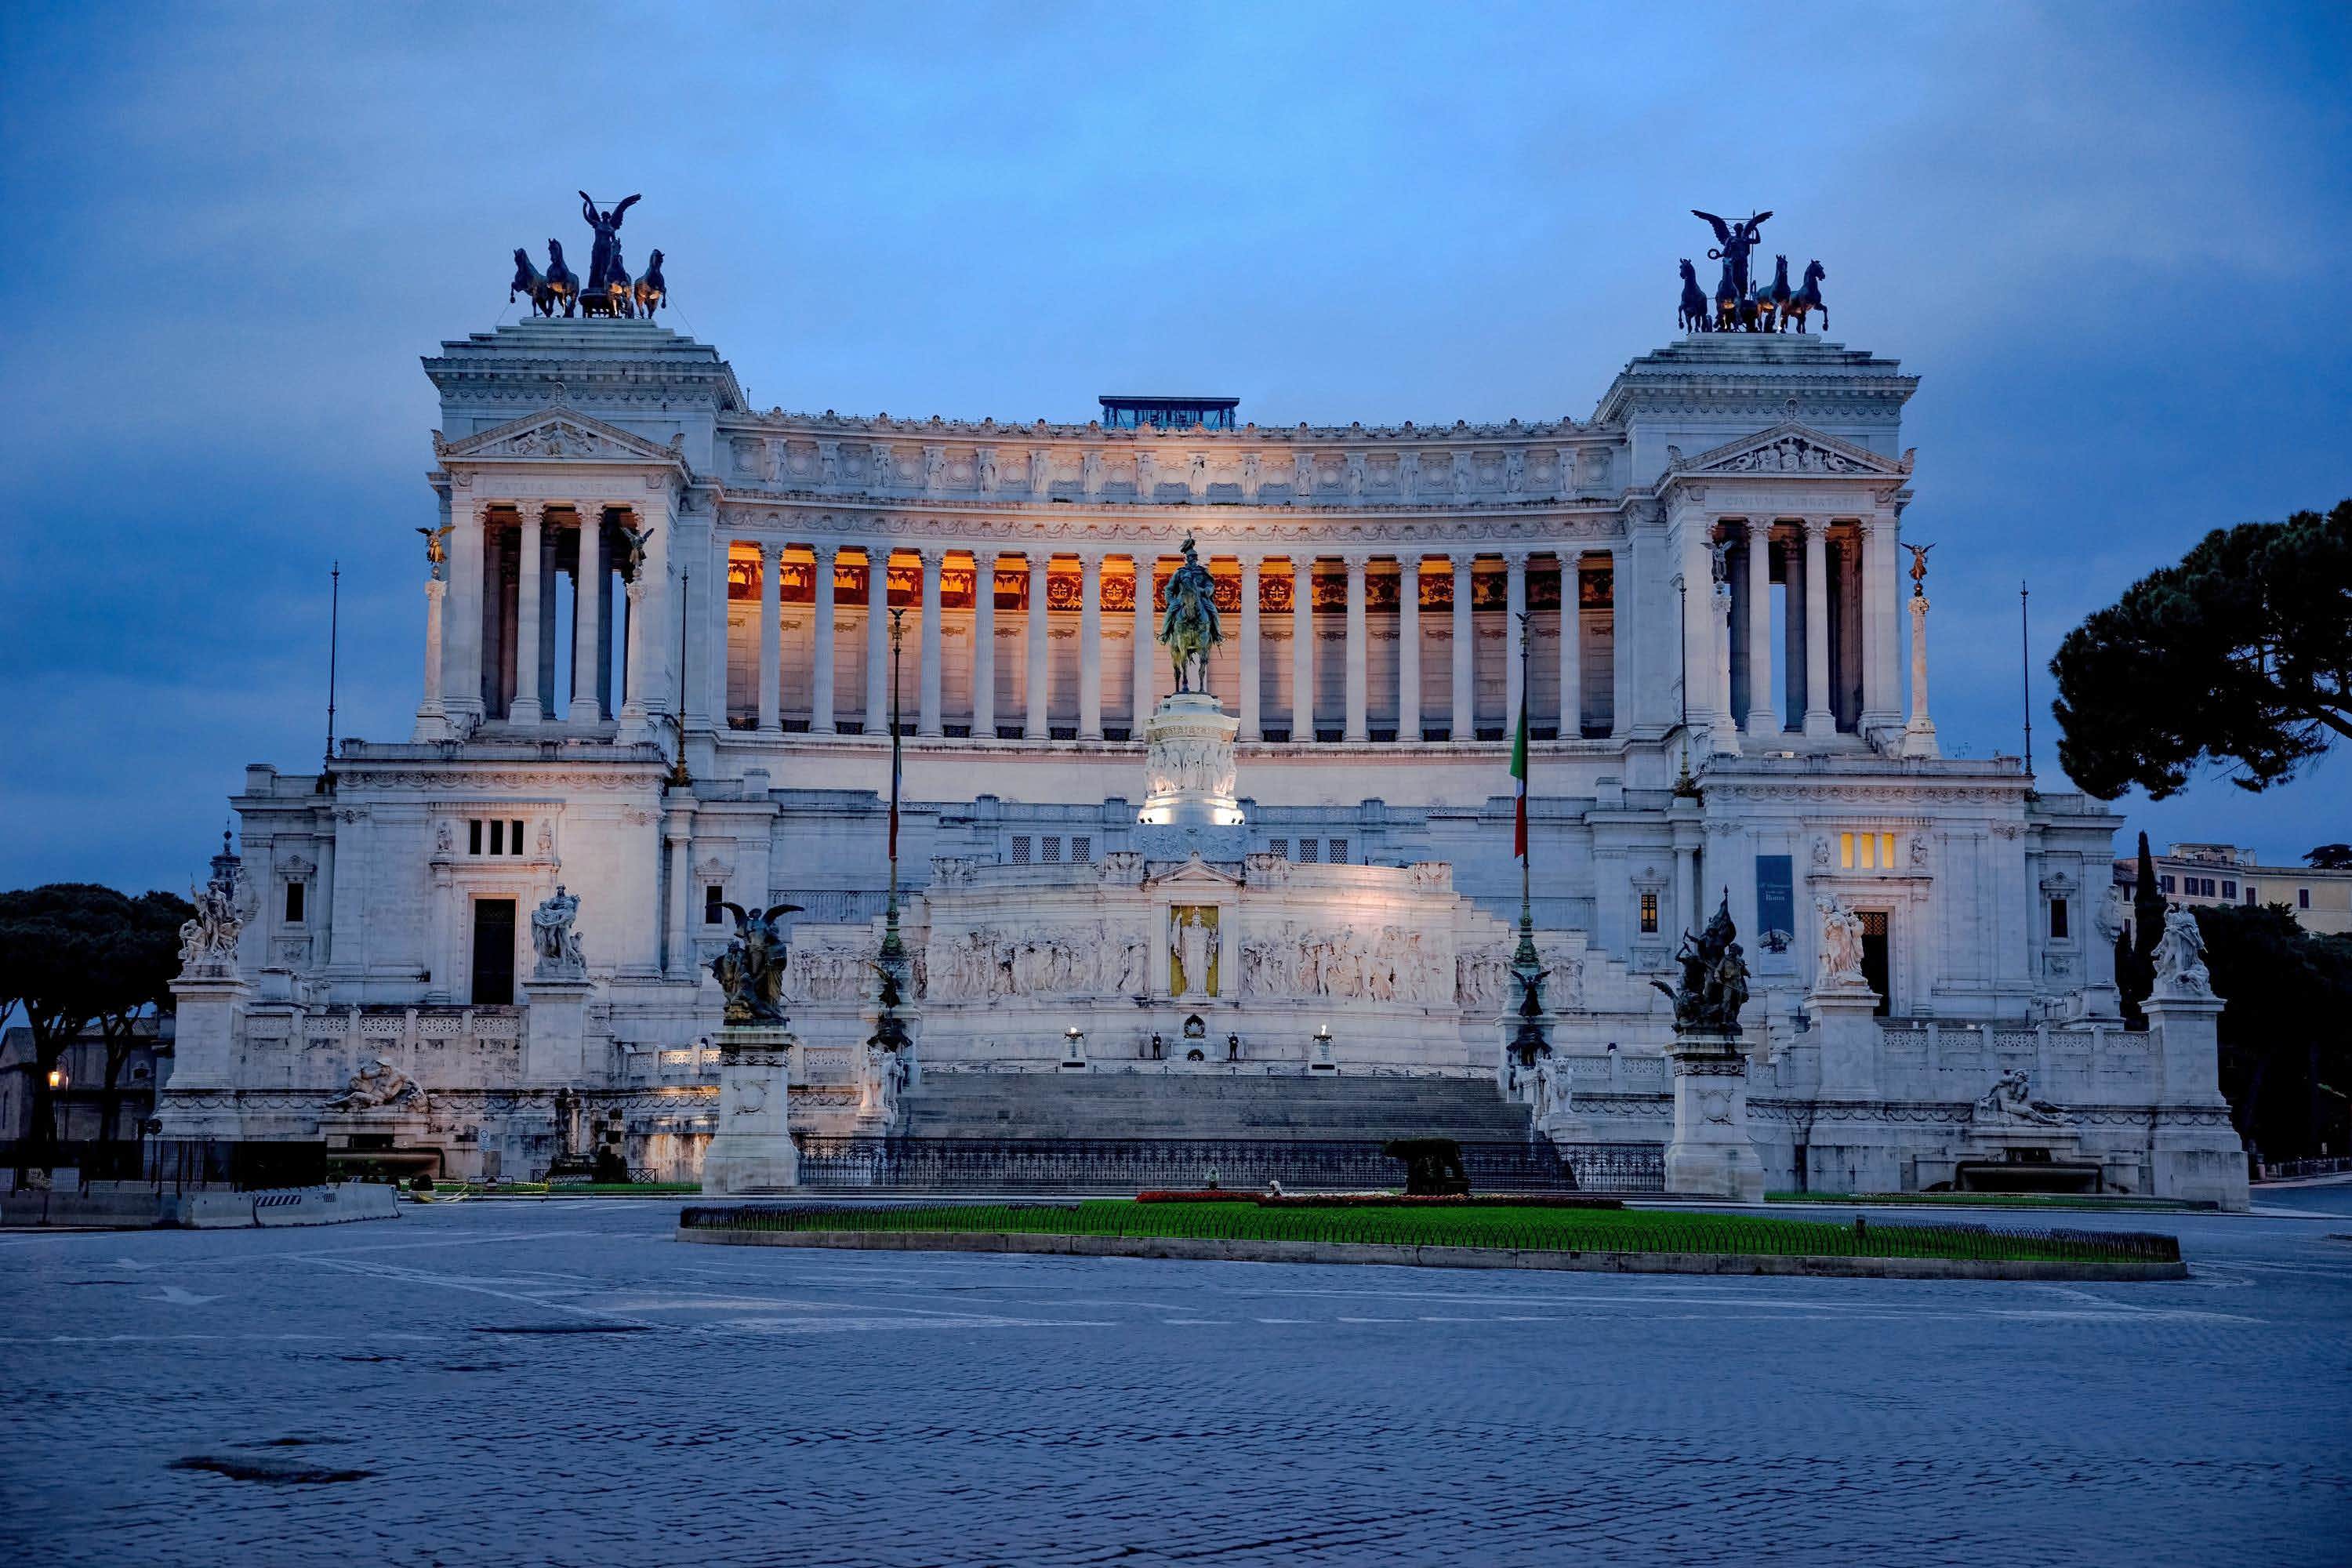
136,1206
1241,1251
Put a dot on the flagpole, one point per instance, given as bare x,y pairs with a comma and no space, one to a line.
1527,964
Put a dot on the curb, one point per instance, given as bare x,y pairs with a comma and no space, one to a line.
1208,1250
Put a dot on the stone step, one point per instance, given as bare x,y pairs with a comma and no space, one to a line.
1182,1106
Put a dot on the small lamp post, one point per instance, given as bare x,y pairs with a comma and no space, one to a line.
1074,1045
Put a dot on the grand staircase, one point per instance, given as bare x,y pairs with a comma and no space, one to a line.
1126,1133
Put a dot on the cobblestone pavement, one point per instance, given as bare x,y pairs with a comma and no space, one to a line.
563,1382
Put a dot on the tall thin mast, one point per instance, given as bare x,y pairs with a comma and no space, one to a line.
2025,671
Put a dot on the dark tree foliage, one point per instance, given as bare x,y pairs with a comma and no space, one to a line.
2242,654
2329,857
2286,1055
2135,949
73,954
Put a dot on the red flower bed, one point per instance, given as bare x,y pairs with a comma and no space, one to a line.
1213,1196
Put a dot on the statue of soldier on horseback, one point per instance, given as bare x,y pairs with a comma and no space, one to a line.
1189,627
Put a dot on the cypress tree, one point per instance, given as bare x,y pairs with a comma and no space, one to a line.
2135,964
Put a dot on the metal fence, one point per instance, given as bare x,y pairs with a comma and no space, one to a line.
1142,1164
2288,1170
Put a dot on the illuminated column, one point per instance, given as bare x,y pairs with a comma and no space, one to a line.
1819,721
1037,728
461,658
1302,649
1409,649
983,643
1359,653
821,666
1571,647
877,639
927,719
1252,721
1515,669
1882,681
588,607
772,615
1919,734
1090,646
1763,713
1463,724
1146,658
527,707
1621,650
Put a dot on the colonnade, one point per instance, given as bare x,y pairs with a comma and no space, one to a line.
1836,663
1104,597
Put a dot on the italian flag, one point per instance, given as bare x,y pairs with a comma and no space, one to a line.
1519,772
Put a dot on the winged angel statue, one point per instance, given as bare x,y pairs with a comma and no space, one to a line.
752,970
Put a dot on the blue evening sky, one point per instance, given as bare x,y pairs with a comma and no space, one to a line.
2111,240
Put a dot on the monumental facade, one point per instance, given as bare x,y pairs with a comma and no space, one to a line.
658,674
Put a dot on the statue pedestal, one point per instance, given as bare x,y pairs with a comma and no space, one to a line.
2195,1148
200,1098
752,1150
1711,1155
1845,1035
1189,764
555,1027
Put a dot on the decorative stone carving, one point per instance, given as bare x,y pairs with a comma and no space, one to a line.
378,1085
551,935
2009,1102
1192,951
1839,957
2181,973
750,971
1387,964
1090,960
208,942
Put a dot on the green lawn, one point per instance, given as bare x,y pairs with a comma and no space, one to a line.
1520,1229
1994,1200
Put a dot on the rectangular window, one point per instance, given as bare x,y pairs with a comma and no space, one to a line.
2250,900
1649,914
713,895
514,837
2209,887
1776,893
1338,856
2230,889
1846,851
1082,847
1278,848
474,836
1887,850
2164,884
1021,849
2303,898
2058,919
497,837
294,891
1309,851
1053,846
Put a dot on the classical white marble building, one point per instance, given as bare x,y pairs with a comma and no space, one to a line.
642,571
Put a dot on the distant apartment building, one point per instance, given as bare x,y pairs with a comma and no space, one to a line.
2192,875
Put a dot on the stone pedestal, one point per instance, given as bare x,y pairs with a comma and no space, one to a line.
200,1098
2196,1153
1711,1155
1845,1035
1189,763
752,1151
554,1049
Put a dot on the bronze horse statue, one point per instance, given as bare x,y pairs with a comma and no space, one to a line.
1726,301
1808,299
652,291
1777,295
1189,627
563,283
531,284
1691,316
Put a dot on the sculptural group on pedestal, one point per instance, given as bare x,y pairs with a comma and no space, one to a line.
1714,985
1740,303
751,969
610,291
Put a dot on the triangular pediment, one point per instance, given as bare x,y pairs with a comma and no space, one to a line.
1792,450
1193,873
555,435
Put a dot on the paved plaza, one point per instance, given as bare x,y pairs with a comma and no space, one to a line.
563,1382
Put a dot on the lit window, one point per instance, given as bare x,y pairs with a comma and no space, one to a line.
1887,850
2058,919
1021,849
1338,856
1082,847
1846,851
294,891
1309,851
1649,914
713,895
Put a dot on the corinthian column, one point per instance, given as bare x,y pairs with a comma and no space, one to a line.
820,665
1515,669
1820,722
1146,658
1250,684
1090,646
772,634
877,639
927,718
983,643
1038,728
432,715
587,622
1919,734
1763,713
528,707
1358,653
1409,649
1571,646
1302,650
1463,724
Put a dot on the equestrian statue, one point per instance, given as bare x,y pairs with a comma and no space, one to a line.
609,290
1189,627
